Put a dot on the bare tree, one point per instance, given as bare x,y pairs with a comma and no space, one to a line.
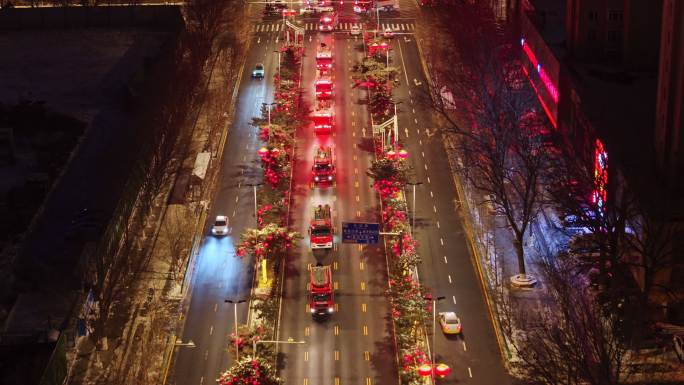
503,155
570,340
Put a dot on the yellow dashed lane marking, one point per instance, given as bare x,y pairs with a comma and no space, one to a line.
365,330
366,355
364,307
306,356
363,286
336,330
336,355
307,331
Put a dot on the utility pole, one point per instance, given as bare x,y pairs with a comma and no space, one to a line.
434,322
254,186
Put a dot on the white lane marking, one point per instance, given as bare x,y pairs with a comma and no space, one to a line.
233,212
236,198
470,372
211,329
431,195
215,307
428,179
406,132
201,380
420,141
449,278
425,165
401,56
415,120
438,224
239,184
418,131
464,347
445,260
206,355
258,40
413,110
453,297
434,208
441,240
422,153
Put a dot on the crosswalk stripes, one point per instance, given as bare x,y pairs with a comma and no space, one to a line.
277,27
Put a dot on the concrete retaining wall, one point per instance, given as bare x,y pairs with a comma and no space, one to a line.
149,16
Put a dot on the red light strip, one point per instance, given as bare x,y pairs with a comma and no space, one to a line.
548,83
546,109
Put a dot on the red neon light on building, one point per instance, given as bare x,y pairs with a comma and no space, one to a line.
600,175
546,80
546,108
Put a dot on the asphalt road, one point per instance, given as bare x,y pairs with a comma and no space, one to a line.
219,274
447,266
354,346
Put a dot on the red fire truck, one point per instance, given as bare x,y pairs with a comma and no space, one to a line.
324,87
324,59
327,22
323,169
321,293
321,229
323,119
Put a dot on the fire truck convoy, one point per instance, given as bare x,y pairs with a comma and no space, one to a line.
323,169
321,229
322,119
324,87
321,295
327,22
323,57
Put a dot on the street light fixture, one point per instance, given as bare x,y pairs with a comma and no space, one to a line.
271,104
434,322
290,340
278,52
237,342
413,207
254,186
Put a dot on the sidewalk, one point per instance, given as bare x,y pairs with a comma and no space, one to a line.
140,353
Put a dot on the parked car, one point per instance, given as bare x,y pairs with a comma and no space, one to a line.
449,322
258,71
220,226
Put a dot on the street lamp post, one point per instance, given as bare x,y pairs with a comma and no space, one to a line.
278,52
434,322
288,341
237,342
254,186
413,214
270,104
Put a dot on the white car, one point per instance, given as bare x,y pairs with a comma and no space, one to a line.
355,30
388,33
449,322
220,226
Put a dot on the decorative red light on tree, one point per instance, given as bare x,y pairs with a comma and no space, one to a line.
442,370
403,154
391,154
425,370
263,151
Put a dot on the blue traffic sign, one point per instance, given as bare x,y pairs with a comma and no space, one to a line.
362,233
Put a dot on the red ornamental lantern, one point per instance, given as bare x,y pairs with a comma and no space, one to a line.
262,151
442,370
425,370
403,154
391,154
